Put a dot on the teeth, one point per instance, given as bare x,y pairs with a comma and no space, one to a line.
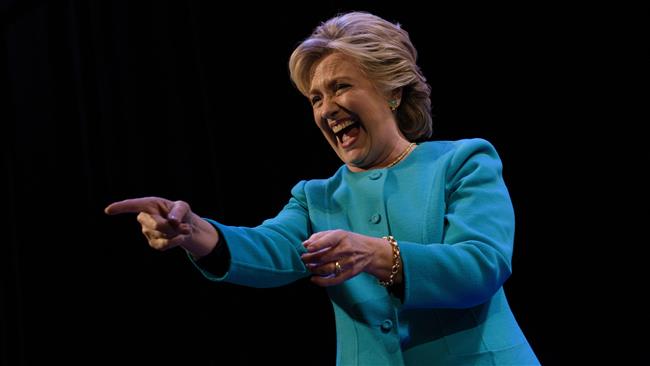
339,127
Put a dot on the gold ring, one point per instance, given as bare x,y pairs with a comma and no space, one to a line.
337,268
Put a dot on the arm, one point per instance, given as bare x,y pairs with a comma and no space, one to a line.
474,259
167,224
267,255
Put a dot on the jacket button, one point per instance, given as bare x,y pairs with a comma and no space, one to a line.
375,218
386,325
375,175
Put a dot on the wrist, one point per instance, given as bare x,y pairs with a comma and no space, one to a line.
394,269
382,262
204,238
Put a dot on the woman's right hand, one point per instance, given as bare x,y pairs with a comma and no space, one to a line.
167,224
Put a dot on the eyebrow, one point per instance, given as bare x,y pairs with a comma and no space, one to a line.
329,84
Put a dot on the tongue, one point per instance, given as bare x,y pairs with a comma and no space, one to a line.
350,133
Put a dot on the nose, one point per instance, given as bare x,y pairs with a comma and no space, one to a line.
330,109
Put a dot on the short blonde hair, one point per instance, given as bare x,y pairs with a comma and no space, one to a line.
384,52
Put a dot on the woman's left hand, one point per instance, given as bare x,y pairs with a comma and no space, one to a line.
354,253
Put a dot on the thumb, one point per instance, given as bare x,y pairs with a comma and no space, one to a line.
179,210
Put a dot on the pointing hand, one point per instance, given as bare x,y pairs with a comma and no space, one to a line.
165,224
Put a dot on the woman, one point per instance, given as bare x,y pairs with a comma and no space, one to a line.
414,242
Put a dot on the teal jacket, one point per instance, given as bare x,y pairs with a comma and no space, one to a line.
447,206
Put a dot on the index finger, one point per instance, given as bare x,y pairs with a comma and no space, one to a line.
318,242
135,205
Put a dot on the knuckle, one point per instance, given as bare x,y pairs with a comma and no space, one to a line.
159,244
175,241
182,204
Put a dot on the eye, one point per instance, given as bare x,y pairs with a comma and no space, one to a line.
341,86
314,99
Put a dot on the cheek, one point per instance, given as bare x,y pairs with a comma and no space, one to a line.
323,127
316,119
375,117
319,123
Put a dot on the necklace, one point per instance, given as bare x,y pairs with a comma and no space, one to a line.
401,156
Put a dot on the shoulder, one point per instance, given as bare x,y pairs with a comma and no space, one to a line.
317,187
473,156
475,145
455,153
464,146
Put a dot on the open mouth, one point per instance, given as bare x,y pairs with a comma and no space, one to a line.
346,132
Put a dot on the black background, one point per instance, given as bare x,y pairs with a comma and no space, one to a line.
192,101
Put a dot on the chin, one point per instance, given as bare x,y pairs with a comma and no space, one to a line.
354,160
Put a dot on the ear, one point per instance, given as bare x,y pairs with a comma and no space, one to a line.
396,94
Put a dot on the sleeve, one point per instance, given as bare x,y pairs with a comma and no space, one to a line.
267,255
474,259
216,262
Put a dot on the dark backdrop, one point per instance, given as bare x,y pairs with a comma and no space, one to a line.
192,101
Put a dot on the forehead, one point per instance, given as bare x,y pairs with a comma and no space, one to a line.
332,66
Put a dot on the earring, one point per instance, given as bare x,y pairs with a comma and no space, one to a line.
392,104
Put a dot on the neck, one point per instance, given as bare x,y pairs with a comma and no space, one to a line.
400,153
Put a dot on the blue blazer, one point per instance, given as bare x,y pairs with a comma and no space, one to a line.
448,207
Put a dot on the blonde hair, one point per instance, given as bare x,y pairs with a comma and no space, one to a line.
384,52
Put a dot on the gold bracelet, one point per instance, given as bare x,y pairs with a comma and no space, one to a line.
396,262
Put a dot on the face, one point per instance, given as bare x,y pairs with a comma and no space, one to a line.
353,114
